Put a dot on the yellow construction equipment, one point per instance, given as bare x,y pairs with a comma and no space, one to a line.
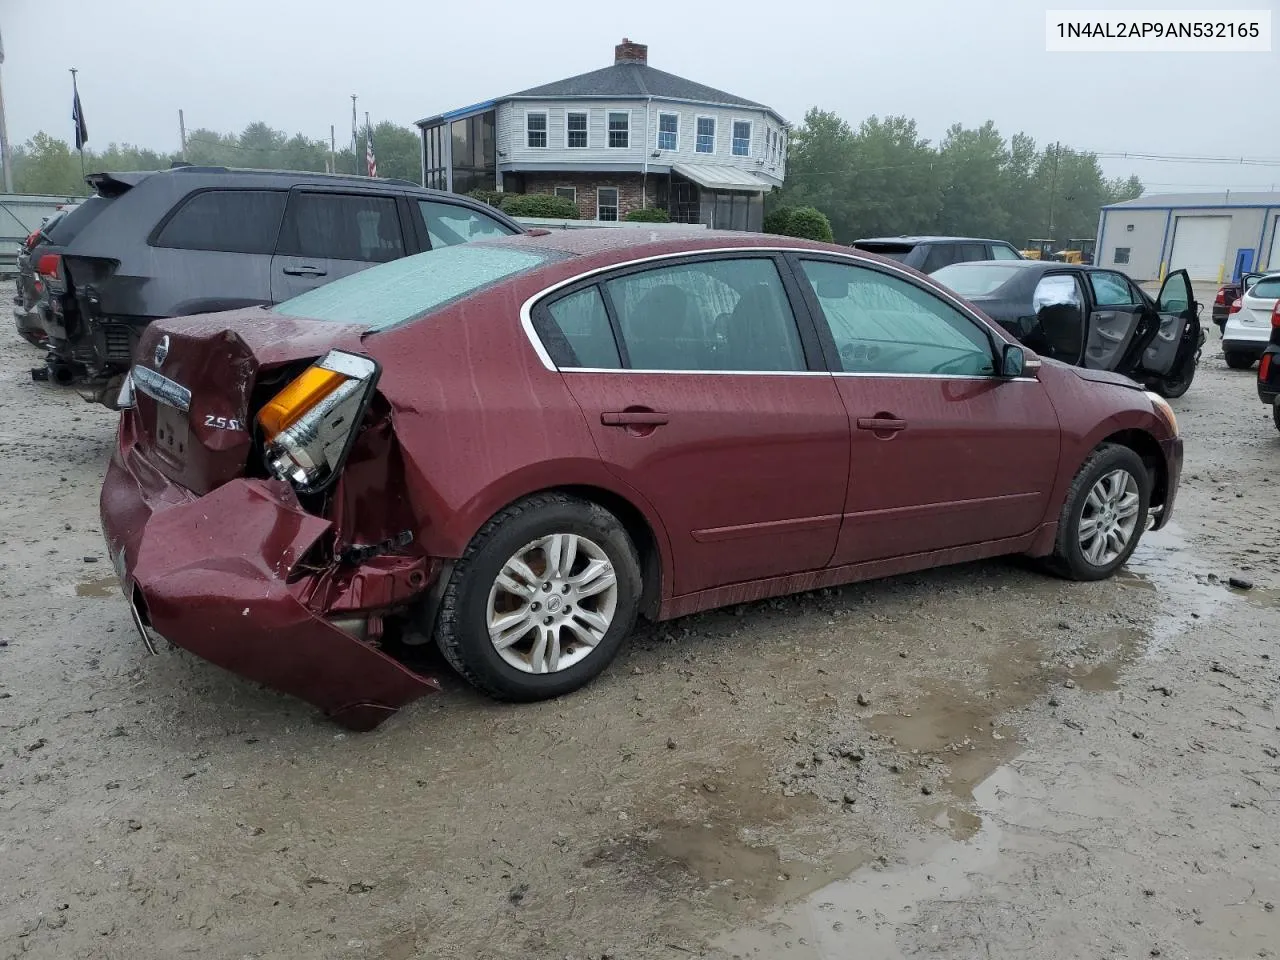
1078,250
1038,250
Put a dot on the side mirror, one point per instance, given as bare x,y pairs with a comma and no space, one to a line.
1015,363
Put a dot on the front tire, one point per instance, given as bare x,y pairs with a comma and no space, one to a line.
1104,516
1237,360
541,600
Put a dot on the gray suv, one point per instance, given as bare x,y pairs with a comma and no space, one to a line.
200,239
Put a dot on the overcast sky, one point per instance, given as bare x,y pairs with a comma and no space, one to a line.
295,64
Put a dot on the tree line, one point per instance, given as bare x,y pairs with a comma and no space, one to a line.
47,165
882,178
885,179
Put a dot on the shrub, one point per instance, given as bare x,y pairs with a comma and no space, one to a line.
648,215
539,205
810,224
777,220
492,197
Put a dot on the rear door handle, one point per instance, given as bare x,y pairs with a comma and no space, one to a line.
634,418
881,424
305,271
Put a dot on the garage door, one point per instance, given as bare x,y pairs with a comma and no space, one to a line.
1200,246
1273,262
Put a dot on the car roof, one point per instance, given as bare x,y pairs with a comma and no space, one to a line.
920,240
1027,265
611,244
194,175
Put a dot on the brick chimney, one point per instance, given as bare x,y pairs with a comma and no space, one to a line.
628,52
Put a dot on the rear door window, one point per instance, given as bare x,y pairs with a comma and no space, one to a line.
231,221
972,251
938,255
1111,290
451,223
731,315
341,226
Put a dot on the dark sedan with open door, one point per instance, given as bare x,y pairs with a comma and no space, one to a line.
1090,317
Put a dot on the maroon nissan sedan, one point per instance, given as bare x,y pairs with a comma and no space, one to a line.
514,448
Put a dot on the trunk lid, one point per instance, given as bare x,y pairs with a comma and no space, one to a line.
200,381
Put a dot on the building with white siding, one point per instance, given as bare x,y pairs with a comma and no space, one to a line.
1213,236
614,140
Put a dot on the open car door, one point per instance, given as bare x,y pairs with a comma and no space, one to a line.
1119,324
1176,306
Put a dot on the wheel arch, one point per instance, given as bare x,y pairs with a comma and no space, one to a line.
1148,450
634,512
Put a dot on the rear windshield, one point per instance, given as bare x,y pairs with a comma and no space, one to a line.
975,279
894,251
1268,288
391,293
66,229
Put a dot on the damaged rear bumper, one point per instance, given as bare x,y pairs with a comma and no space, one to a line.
211,574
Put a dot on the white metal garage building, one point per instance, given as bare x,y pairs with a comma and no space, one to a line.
1211,235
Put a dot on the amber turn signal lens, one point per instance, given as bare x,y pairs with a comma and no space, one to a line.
289,405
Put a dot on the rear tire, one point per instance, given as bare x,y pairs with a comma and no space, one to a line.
1104,516
1237,360
508,621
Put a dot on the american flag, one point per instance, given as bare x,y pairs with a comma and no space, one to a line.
368,151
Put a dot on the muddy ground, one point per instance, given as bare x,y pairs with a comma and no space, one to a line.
975,762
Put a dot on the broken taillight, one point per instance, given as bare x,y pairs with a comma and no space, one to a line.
1235,307
49,265
308,426
1221,298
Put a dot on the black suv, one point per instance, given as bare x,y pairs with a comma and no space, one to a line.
199,239
928,254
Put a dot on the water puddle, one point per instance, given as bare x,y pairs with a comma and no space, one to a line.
101,587
860,916
1166,562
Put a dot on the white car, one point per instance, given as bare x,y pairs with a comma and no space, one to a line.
1248,327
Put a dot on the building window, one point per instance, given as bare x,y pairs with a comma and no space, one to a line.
742,138
706,135
576,130
1122,255
536,127
607,203
668,131
569,193
619,129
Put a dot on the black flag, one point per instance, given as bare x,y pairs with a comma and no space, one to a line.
77,115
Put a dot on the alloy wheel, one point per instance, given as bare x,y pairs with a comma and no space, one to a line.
553,601
1110,517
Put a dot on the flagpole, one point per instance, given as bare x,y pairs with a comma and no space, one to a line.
75,94
355,162
368,138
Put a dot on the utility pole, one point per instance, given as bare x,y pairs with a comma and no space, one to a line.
355,166
1053,186
182,134
333,151
4,136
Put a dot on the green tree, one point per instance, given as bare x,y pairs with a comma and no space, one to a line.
46,165
973,196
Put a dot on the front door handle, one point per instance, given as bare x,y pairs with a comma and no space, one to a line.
305,271
634,418
881,424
